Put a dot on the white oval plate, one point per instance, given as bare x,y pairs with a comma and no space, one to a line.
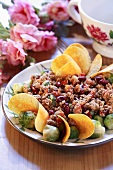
24,76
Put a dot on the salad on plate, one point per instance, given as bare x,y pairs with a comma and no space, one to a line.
71,101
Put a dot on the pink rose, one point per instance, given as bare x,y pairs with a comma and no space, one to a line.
3,49
15,53
23,12
28,35
57,10
33,39
48,41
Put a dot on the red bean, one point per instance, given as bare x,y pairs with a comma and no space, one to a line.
82,78
34,90
51,112
66,109
106,111
103,82
55,93
60,98
58,84
98,78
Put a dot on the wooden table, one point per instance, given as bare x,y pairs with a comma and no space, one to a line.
21,153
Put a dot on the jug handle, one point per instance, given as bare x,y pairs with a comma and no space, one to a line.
72,11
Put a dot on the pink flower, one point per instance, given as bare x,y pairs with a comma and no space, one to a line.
57,10
15,53
23,12
97,33
48,41
28,35
33,39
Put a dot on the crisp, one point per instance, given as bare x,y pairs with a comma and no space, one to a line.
41,118
95,65
80,46
103,71
23,102
84,124
59,61
69,68
80,56
67,134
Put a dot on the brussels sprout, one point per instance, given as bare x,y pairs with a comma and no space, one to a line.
51,133
27,119
98,131
100,119
18,88
108,121
74,132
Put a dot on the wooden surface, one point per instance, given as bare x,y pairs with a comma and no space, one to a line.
18,152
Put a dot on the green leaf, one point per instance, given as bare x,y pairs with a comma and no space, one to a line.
4,32
111,78
111,34
36,10
11,24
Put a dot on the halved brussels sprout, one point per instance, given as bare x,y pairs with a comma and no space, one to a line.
74,132
108,121
100,119
98,131
51,133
